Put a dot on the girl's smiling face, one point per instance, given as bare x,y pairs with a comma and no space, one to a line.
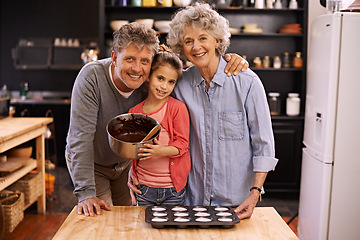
162,82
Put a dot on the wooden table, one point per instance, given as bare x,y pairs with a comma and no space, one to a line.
15,131
129,223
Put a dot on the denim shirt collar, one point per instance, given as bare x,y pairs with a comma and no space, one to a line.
219,77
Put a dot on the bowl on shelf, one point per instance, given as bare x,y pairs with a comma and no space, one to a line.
116,24
234,30
251,28
20,152
162,26
149,22
255,30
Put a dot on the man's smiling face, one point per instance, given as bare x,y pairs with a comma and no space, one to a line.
131,67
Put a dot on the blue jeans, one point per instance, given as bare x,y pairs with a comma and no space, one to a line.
159,196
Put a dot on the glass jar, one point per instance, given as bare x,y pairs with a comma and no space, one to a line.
277,62
266,62
293,4
257,62
293,104
286,60
274,103
297,60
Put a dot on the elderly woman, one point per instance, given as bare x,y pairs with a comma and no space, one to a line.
231,138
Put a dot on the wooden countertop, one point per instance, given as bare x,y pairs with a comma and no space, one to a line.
12,127
129,223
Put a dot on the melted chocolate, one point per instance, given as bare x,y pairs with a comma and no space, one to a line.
131,130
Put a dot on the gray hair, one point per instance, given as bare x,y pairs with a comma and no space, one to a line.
135,33
198,14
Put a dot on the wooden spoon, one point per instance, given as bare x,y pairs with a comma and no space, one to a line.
151,133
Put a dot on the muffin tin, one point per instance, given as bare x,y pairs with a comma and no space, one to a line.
184,216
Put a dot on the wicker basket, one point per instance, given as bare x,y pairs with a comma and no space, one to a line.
13,205
30,185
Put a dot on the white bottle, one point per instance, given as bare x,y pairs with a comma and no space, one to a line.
278,4
269,4
293,4
277,62
259,4
293,104
4,92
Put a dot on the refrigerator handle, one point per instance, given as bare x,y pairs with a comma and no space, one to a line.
318,127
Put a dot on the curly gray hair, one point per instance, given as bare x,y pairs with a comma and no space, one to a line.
138,34
198,14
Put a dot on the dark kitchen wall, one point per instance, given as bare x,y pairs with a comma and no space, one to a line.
43,19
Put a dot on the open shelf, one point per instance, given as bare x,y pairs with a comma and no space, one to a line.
10,178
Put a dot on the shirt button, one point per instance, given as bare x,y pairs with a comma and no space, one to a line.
172,163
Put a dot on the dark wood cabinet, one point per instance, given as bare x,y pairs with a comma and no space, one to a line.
288,134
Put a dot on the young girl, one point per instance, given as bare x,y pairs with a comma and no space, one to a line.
163,167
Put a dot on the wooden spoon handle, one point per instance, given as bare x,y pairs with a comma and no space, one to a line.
151,133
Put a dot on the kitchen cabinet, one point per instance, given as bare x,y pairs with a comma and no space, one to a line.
287,130
288,134
43,54
59,110
14,132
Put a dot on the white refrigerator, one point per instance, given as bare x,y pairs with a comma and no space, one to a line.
329,205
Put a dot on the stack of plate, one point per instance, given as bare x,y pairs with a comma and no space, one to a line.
291,29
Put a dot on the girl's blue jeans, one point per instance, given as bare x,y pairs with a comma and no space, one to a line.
159,196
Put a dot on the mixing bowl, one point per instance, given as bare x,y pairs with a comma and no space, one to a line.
126,131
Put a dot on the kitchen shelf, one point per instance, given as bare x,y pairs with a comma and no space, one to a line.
16,131
277,69
10,178
267,35
66,66
284,117
235,9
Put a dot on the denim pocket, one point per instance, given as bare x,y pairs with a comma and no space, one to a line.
231,125
143,188
179,194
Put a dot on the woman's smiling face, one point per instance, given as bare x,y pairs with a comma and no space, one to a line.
199,47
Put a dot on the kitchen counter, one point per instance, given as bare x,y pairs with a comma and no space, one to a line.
46,101
129,223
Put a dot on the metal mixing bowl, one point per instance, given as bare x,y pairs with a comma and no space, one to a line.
125,125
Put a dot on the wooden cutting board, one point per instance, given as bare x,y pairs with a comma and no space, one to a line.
13,164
